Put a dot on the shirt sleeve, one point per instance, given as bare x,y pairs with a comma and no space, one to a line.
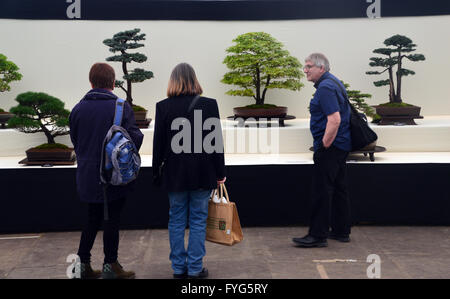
328,100
159,140
73,128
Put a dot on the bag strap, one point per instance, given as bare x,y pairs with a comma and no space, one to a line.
222,189
191,106
345,96
120,103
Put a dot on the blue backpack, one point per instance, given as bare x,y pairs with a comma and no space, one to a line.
119,156
121,161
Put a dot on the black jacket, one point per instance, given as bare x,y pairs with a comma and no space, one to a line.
196,168
90,120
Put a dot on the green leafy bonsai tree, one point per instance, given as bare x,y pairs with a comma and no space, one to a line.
397,49
40,112
8,73
122,42
258,63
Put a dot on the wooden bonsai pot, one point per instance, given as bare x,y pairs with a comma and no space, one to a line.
140,115
398,115
56,154
260,112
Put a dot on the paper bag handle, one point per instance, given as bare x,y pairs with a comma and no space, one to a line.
223,188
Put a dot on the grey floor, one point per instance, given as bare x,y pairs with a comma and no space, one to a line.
404,252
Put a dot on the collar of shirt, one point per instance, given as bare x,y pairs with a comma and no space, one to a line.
324,76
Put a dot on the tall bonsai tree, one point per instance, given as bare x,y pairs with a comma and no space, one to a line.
258,62
8,73
121,42
397,48
40,112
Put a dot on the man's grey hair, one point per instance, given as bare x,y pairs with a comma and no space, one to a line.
319,60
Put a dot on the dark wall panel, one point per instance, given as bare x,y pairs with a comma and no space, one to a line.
216,10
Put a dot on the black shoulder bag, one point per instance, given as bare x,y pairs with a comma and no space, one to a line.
362,135
157,180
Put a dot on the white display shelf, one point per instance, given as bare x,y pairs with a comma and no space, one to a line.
432,134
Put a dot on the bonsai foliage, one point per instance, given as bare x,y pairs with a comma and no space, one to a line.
358,100
121,42
40,112
8,73
258,62
398,48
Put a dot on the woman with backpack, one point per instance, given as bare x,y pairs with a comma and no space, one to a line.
90,121
187,165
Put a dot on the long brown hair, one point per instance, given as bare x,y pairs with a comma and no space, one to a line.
183,81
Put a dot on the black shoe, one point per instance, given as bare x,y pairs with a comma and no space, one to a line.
310,241
201,275
180,276
340,238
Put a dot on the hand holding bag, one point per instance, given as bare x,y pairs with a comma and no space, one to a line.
223,225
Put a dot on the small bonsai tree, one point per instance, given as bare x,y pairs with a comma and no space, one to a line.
121,42
258,62
397,47
40,112
358,100
8,73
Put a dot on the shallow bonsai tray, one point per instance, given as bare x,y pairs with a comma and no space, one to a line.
143,124
47,163
398,120
265,119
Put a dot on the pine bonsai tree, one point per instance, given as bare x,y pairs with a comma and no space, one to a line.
258,62
40,112
121,42
358,101
399,45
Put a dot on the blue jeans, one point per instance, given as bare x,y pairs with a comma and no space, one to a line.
196,204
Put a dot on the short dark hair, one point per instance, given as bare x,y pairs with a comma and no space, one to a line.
102,75
183,81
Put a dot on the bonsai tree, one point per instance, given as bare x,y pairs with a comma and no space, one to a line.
8,73
121,42
258,62
358,101
40,112
397,49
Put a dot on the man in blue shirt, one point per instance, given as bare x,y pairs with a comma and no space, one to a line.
330,128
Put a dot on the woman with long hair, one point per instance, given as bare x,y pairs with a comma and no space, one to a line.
188,162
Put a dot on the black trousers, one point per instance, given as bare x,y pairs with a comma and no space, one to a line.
330,200
110,231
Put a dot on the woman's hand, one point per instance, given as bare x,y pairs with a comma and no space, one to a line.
221,181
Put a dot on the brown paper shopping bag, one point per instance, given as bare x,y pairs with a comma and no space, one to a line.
223,225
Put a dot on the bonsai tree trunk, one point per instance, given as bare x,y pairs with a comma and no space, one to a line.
398,97
391,86
259,101
48,134
125,72
265,89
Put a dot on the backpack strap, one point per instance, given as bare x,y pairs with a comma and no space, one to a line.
120,103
